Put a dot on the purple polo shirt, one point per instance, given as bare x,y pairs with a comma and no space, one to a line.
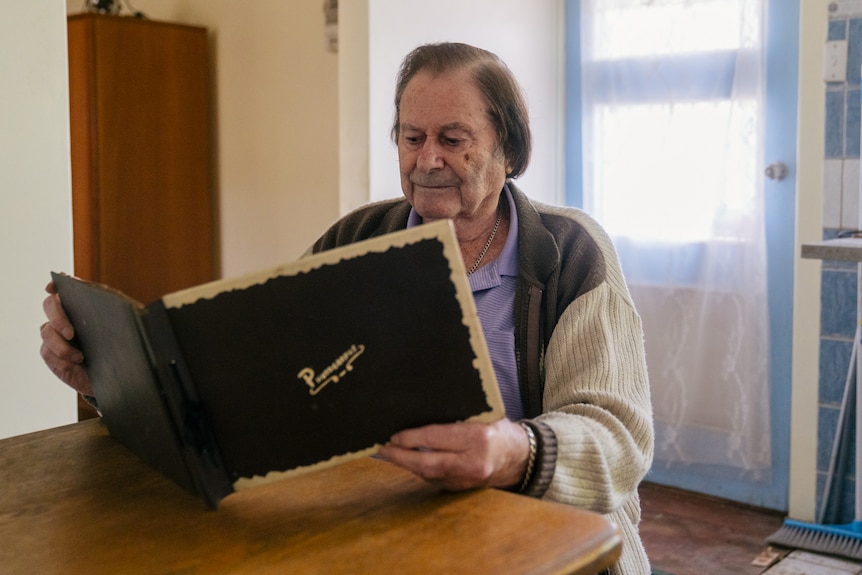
493,287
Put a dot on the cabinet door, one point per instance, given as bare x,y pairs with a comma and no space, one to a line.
141,154
143,215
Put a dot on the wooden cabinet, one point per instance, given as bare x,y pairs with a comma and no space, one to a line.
140,123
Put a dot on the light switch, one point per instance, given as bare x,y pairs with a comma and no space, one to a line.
835,61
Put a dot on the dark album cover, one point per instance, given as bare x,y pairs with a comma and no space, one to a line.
242,381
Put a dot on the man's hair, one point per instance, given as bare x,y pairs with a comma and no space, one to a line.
506,106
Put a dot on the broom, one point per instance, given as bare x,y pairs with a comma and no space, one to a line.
844,540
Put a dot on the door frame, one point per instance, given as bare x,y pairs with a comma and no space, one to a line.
802,496
791,350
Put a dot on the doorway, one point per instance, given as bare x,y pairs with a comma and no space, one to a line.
757,475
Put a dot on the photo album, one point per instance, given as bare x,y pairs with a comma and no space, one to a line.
243,381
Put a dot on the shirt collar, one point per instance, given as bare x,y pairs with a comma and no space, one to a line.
507,261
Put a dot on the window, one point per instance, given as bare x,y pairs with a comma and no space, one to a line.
671,119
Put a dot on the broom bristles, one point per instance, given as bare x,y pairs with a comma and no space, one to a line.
839,540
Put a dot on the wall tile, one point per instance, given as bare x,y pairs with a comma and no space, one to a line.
850,195
854,50
834,135
846,496
841,186
837,30
833,176
821,482
838,303
827,418
844,484
851,455
847,499
834,364
851,122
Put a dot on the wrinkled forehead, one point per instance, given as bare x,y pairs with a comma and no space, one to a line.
449,99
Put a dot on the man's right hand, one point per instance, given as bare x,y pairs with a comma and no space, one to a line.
64,360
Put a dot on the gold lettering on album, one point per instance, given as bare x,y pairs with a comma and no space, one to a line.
333,373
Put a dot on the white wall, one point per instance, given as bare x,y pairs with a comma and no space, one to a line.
277,94
526,34
279,181
35,207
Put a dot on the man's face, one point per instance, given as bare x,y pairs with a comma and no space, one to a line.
451,163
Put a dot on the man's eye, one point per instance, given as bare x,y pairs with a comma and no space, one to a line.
451,141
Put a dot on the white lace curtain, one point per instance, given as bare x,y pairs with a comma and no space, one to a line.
672,137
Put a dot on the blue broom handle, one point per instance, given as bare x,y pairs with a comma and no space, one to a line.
841,441
857,341
858,511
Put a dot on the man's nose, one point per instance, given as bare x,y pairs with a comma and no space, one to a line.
430,157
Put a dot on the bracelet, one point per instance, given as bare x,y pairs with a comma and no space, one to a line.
531,460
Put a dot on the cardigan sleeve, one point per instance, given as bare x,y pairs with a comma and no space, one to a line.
597,402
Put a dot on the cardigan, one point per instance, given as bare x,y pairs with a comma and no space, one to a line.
580,355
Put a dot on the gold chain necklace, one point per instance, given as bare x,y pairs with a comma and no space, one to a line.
488,243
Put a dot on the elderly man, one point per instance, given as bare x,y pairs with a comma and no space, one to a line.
565,340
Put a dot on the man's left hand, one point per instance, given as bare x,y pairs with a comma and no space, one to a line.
461,456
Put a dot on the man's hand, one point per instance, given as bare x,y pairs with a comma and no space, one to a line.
64,360
462,456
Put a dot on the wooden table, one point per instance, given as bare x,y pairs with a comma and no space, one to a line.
73,500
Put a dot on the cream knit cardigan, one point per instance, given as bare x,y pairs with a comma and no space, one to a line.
596,420
597,402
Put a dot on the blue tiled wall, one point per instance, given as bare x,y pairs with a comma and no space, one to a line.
839,279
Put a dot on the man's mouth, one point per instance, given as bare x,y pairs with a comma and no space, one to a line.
425,181
434,185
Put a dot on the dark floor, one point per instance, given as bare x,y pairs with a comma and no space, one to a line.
686,533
